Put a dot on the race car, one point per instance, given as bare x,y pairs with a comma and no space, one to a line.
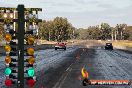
60,45
108,46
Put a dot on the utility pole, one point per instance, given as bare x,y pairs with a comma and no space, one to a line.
49,35
21,23
115,34
112,34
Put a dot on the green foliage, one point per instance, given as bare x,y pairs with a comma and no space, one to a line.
57,30
128,33
95,32
2,32
105,31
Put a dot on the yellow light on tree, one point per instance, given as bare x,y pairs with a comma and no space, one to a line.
8,37
30,51
8,59
7,48
30,40
31,60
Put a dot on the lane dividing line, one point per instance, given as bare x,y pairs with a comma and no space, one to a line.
63,77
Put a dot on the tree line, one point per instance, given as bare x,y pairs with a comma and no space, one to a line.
105,32
60,29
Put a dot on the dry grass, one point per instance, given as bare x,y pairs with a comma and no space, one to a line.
124,43
46,42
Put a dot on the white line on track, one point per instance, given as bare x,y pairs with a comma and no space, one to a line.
63,77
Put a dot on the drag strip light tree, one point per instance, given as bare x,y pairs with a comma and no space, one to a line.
10,47
15,68
32,20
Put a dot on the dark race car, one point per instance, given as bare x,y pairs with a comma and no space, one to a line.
108,46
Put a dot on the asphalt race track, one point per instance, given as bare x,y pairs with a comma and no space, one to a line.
62,69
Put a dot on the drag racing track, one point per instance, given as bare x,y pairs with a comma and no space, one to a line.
62,69
46,61
101,64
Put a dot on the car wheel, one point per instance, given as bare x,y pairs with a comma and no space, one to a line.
64,48
55,48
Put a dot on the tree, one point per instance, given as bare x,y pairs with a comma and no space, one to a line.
128,33
105,31
42,30
2,31
62,28
120,28
57,30
94,32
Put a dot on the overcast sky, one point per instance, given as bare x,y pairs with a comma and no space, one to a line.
81,13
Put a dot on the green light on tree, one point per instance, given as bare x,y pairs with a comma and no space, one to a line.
7,71
31,72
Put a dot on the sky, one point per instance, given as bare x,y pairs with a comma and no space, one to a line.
81,13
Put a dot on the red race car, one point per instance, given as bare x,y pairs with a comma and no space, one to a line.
60,45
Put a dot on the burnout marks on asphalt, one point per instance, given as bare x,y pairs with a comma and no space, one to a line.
74,78
99,66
